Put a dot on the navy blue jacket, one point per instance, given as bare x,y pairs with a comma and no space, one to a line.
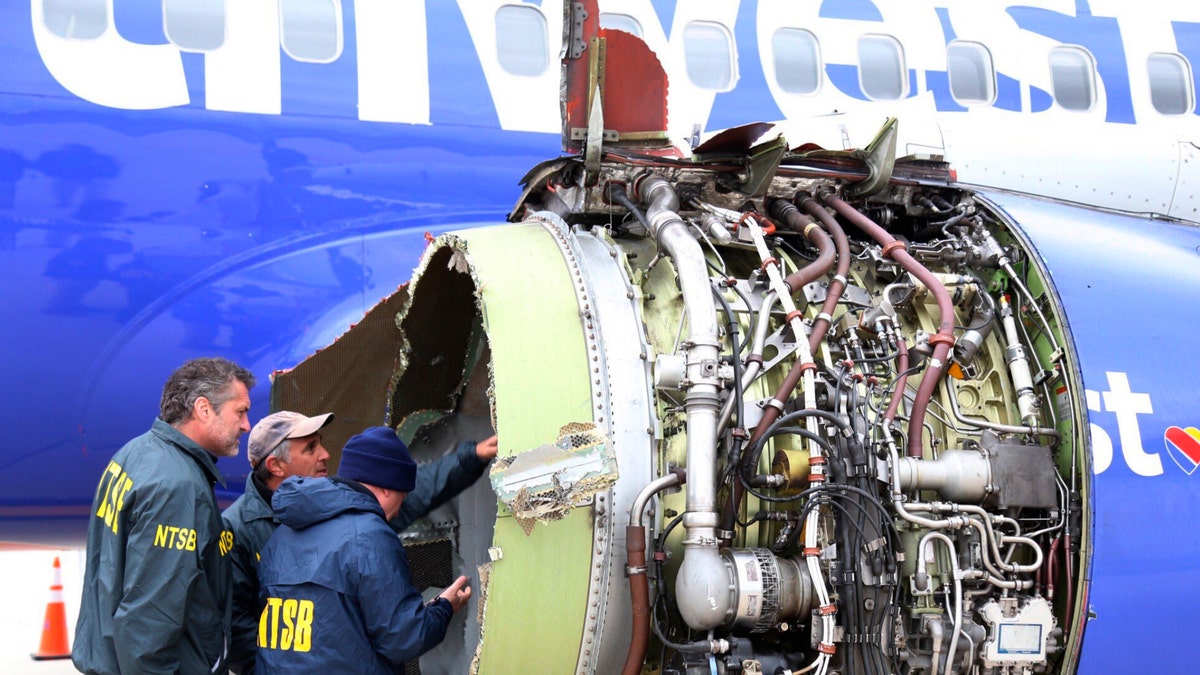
335,586
252,522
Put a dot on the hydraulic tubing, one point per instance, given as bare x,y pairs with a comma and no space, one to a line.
994,426
824,318
901,382
635,569
938,536
783,210
838,284
754,361
942,341
703,579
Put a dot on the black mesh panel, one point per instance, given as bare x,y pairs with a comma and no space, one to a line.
430,563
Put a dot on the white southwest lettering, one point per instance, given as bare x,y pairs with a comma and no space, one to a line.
1126,405
110,70
243,75
523,102
393,61
1102,448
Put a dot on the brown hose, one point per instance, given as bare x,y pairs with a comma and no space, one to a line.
942,341
834,293
1069,566
782,210
811,272
639,591
901,383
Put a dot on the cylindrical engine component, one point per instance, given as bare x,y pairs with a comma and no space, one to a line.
669,371
968,344
1018,366
793,465
715,227
767,589
957,475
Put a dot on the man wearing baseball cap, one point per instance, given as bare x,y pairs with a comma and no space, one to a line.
285,444
338,596
282,444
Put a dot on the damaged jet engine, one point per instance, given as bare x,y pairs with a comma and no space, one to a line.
772,426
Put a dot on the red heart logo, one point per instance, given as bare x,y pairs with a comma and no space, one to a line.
1184,446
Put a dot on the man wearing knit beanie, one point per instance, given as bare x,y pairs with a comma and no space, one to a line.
335,581
285,444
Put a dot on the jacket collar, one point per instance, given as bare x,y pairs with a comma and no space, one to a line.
189,447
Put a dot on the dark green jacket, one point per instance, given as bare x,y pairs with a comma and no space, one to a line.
252,522
156,595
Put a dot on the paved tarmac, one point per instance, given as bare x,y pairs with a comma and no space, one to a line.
25,578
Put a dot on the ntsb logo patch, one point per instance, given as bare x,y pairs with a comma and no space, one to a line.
1184,447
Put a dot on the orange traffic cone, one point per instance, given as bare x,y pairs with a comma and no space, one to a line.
54,629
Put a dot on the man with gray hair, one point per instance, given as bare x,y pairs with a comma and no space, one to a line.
281,445
156,587
286,444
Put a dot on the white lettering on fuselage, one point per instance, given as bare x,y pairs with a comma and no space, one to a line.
1126,405
110,70
392,45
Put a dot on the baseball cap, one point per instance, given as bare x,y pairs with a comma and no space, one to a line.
274,428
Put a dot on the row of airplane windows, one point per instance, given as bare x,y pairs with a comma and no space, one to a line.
311,32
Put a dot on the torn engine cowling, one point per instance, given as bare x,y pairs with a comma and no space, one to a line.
835,434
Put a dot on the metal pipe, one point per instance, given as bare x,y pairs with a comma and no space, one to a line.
952,395
637,511
953,522
937,632
701,586
754,360
949,544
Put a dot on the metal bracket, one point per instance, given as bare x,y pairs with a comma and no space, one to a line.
595,131
880,157
595,139
762,165
573,40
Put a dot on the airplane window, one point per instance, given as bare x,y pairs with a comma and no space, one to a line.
972,75
75,19
1170,84
621,22
797,60
311,30
1072,72
708,51
881,70
521,40
194,25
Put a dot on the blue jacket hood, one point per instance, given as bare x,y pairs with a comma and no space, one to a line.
303,502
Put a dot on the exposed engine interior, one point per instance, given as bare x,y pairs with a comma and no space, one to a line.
872,405
800,421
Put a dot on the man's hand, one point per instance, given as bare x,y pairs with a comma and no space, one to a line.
486,449
457,593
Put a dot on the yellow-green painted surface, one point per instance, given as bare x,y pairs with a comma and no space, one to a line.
539,587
